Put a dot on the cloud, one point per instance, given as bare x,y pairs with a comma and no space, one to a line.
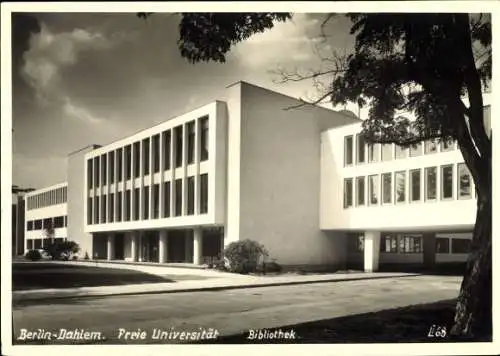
79,113
50,52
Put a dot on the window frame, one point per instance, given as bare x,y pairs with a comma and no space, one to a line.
426,184
442,181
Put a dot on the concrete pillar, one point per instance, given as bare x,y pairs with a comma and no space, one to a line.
429,247
371,251
197,246
133,246
163,247
111,247
140,246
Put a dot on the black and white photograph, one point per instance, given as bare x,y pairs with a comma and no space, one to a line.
198,178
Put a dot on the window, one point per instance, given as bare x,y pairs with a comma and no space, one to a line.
111,205
119,163
410,244
356,242
442,245
47,223
166,137
112,167
136,203
460,245
374,152
145,199
156,201
89,174
145,156
203,193
386,188
103,208
416,150
65,221
178,146
104,169
97,176
348,150
89,211
128,162
400,187
360,191
190,141
389,243
119,206
373,190
387,152
447,145
156,153
464,182
38,244
415,185
430,183
178,197
447,182
29,226
29,244
58,222
190,195
166,199
38,224
65,194
430,146
348,192
137,159
360,149
204,139
128,204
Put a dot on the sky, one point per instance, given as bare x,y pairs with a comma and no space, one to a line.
81,79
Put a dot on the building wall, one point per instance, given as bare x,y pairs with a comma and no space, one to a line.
423,215
279,166
76,199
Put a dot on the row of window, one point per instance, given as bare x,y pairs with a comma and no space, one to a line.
376,189
101,211
41,224
377,152
147,153
51,197
393,243
35,244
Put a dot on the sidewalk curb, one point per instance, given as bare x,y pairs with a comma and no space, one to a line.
28,299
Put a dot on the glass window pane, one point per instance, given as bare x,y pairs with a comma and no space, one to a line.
430,146
360,190
442,245
387,152
415,185
431,183
464,182
374,152
348,192
373,189
386,188
416,150
447,182
360,148
348,150
400,186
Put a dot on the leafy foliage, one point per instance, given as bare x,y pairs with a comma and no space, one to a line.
244,256
33,255
62,249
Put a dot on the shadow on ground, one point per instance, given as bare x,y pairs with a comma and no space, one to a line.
46,275
416,323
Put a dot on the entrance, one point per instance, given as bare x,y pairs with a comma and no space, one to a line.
120,246
150,242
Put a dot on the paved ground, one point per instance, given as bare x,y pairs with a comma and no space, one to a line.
230,311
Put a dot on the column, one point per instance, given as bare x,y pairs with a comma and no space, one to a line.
140,246
151,176
111,247
371,250
161,153
163,247
197,246
429,248
133,245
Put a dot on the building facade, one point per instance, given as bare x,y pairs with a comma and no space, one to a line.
300,181
46,216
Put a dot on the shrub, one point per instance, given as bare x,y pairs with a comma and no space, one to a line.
86,257
33,255
244,256
62,250
269,267
74,257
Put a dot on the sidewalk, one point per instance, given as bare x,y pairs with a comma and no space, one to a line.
222,282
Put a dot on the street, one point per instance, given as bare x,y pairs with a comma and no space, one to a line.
225,312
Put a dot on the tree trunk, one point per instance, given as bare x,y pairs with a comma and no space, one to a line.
473,315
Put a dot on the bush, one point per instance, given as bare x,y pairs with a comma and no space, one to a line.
86,257
33,255
244,256
62,250
74,257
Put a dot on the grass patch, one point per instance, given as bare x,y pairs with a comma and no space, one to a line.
407,324
46,275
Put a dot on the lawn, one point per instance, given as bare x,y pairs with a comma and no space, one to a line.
407,324
44,275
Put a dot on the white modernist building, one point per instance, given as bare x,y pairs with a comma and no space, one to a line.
45,211
300,181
